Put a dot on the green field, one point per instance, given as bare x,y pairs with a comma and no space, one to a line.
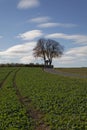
31,99
80,71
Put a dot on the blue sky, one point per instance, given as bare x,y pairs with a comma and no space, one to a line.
23,22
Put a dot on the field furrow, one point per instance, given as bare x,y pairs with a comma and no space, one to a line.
63,100
31,111
1,84
31,99
12,112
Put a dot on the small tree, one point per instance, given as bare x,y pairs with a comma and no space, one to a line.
48,49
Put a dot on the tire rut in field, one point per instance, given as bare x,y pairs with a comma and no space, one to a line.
36,115
1,84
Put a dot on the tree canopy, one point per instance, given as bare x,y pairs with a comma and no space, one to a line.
48,49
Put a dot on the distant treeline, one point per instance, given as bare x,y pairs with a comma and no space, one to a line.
25,65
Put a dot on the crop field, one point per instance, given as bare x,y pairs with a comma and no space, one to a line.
31,99
80,71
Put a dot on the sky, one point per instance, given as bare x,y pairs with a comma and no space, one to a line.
23,22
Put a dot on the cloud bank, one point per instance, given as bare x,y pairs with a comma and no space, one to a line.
74,57
18,53
76,38
23,53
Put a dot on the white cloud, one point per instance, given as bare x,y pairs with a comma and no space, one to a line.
22,53
78,51
30,35
40,19
76,38
27,59
74,57
19,53
24,4
47,25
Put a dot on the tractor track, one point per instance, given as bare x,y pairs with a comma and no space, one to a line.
36,115
1,84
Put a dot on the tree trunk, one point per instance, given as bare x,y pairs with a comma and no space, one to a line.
50,62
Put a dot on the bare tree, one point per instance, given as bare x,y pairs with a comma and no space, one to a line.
53,50
39,50
48,49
